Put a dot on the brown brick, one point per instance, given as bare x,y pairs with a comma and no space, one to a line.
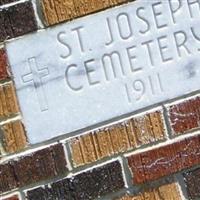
165,192
76,151
56,11
17,20
88,185
12,198
118,138
14,137
102,142
165,160
3,65
8,100
192,181
31,168
88,148
185,116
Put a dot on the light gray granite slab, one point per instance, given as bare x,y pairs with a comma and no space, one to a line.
77,74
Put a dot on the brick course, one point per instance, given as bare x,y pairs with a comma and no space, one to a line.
87,185
156,163
40,165
138,131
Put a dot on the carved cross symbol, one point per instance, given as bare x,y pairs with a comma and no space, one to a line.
36,75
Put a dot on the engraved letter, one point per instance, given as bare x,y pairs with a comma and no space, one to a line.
115,61
124,26
147,44
80,39
157,15
139,88
61,41
67,74
174,9
181,39
163,47
110,32
192,3
197,37
138,14
132,58
91,70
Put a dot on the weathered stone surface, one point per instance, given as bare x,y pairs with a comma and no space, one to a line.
164,192
87,185
4,74
14,136
97,64
31,168
56,11
156,163
8,100
17,20
192,181
133,133
185,116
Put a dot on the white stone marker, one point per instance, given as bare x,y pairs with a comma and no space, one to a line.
105,65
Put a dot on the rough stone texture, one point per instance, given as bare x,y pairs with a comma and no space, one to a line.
156,163
3,65
8,180
164,192
185,116
17,20
12,198
56,11
32,168
14,136
2,2
8,100
87,185
192,181
122,137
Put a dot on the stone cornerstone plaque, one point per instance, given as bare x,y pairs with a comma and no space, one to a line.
103,66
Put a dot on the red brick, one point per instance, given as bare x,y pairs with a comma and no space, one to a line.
17,20
3,65
185,116
166,160
31,168
12,198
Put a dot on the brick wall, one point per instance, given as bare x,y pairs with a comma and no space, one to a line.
152,154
